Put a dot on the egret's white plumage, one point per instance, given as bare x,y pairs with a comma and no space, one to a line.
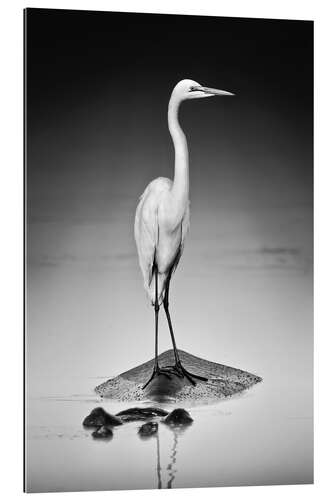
158,241
162,220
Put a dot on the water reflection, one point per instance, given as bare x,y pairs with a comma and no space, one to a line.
158,463
171,469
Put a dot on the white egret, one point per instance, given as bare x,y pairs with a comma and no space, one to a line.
162,222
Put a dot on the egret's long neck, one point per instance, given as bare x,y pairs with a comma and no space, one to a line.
180,189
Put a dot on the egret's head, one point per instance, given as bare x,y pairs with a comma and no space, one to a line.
189,89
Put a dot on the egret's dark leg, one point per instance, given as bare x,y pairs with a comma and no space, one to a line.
157,370
180,370
166,309
156,308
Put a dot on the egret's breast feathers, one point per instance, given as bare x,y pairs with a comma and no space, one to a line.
156,243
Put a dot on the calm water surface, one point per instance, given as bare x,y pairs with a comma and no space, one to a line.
263,436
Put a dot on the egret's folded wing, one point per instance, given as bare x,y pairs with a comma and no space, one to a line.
146,238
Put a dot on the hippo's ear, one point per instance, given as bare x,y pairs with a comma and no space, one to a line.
178,416
148,429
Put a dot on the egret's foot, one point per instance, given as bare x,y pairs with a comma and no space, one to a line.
156,372
180,371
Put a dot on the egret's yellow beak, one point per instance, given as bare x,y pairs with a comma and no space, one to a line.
210,91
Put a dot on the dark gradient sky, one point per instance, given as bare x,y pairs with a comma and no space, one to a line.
98,86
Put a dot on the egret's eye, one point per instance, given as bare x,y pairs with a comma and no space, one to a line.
192,89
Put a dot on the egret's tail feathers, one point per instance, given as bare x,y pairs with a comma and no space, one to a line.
150,288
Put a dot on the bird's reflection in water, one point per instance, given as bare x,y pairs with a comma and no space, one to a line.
158,463
171,467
